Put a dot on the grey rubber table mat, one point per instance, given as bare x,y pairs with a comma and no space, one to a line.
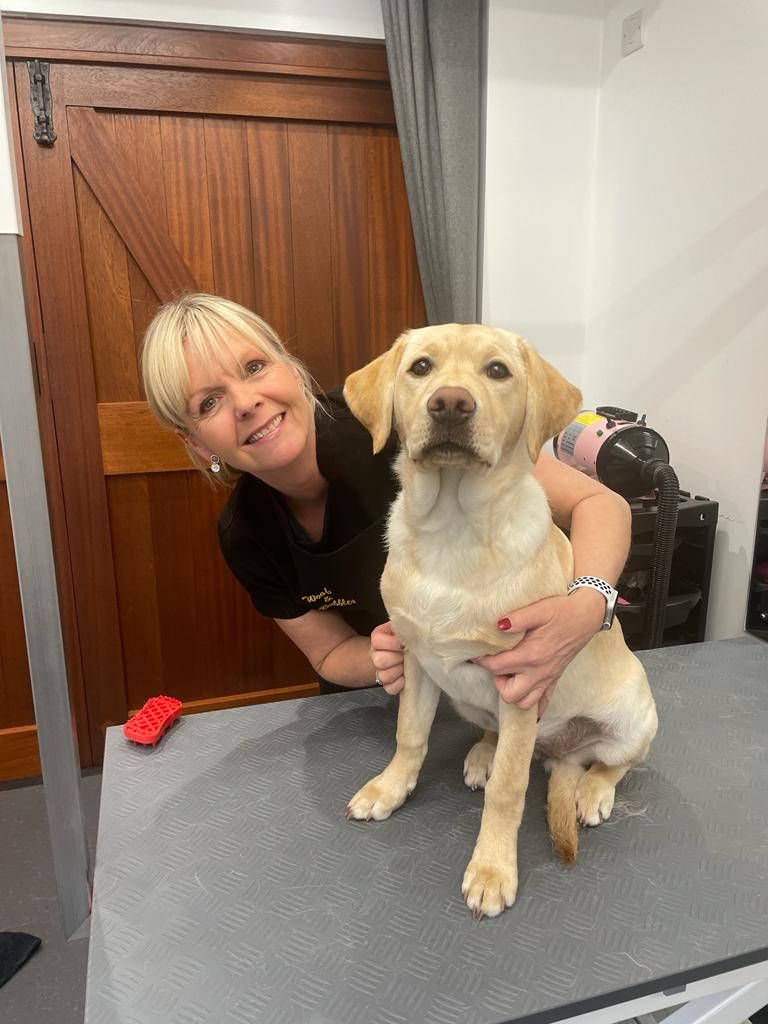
230,889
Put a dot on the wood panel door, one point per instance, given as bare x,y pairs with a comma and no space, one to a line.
284,193
19,755
17,740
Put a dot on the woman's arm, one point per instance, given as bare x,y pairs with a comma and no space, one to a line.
557,628
599,520
344,657
332,647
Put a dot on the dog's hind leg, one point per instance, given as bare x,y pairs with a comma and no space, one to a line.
564,780
387,791
479,761
610,760
596,791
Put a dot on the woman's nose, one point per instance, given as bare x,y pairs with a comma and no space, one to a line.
245,398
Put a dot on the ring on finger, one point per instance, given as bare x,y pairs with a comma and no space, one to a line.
377,680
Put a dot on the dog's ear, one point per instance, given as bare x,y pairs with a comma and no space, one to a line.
370,393
551,403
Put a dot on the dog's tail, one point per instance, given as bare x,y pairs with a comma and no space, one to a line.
561,808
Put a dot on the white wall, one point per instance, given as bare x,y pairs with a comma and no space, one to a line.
542,103
677,320
355,18
10,217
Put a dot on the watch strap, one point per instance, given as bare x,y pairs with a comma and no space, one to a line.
609,593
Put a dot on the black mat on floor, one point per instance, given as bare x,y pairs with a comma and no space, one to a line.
15,949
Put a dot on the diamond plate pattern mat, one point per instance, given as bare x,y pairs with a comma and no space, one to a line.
230,889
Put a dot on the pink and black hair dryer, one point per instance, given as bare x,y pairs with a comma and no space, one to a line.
621,451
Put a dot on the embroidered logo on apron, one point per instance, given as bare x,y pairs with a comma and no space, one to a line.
327,600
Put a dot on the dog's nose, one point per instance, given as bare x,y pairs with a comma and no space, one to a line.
451,405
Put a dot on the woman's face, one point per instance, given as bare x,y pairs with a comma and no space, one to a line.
254,416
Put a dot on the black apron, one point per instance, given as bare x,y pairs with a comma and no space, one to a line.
345,580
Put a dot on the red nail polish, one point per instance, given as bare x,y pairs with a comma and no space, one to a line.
504,624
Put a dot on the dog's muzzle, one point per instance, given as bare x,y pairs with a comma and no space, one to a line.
451,408
449,430
450,411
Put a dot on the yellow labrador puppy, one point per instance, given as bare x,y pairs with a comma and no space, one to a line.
471,538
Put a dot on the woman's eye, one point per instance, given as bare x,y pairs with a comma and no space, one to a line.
421,367
207,405
497,371
253,366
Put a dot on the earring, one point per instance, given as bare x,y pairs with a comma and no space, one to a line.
215,464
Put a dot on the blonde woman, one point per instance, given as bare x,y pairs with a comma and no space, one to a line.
303,528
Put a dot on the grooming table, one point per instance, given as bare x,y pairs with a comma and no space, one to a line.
230,888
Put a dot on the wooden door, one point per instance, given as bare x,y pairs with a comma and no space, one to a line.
281,191
19,755
17,741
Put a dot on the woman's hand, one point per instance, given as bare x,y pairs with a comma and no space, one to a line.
388,659
555,629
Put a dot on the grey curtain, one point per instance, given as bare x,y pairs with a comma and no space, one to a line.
436,55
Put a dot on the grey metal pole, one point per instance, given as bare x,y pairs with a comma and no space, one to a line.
30,522
27,498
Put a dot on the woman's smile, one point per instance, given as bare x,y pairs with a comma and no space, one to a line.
267,432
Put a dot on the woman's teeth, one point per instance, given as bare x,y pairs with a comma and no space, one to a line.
270,427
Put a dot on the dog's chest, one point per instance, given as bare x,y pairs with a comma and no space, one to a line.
442,637
444,623
451,575
451,618
446,588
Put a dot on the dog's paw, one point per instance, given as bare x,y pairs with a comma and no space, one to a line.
594,799
478,764
489,888
378,798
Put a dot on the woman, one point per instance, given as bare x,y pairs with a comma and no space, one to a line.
303,528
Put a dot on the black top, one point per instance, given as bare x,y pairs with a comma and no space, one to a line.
285,573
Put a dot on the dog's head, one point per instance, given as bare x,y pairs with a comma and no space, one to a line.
461,395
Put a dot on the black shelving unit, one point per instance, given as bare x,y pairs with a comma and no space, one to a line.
685,620
757,603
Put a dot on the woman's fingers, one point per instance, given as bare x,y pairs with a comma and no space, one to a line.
394,687
387,659
390,674
382,638
386,642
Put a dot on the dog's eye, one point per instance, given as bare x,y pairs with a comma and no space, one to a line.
497,371
421,367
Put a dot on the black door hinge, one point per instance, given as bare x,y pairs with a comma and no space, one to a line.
42,106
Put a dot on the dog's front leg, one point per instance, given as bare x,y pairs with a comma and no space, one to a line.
490,881
387,791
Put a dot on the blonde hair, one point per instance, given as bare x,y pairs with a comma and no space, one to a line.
207,325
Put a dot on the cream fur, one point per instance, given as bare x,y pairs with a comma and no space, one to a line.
470,539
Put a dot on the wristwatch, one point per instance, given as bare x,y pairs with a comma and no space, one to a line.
608,592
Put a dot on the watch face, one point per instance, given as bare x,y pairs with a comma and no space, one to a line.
610,609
